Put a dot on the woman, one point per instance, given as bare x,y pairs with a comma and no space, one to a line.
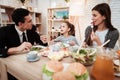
102,29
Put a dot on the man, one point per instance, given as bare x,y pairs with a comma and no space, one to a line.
12,40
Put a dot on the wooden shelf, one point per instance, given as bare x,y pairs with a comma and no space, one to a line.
55,20
5,17
56,8
5,6
58,20
37,20
8,23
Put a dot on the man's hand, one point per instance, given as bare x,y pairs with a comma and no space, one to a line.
43,38
23,48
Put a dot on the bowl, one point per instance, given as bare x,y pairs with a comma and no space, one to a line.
86,56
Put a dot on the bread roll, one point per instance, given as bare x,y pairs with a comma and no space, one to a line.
63,76
54,66
76,68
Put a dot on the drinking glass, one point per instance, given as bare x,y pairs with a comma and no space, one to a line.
103,67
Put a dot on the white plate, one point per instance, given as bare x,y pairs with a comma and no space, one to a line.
117,74
45,77
116,62
39,46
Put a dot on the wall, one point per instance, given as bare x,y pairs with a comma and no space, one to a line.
84,20
115,13
43,6
16,3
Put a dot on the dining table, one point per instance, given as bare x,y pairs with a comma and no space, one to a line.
19,67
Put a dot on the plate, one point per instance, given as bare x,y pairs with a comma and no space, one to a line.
116,62
45,77
117,74
37,48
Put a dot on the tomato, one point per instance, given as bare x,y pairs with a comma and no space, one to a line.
118,52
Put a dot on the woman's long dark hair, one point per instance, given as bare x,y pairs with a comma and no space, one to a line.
104,10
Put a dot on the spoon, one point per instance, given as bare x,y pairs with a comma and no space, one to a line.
80,46
105,43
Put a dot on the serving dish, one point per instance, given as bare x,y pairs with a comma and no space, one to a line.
45,77
86,56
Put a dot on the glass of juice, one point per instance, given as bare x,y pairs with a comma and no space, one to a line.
103,67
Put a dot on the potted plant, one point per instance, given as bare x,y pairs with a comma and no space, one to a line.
22,1
67,1
65,17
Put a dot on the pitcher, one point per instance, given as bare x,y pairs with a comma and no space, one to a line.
103,66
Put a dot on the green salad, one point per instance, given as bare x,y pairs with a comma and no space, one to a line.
86,56
36,48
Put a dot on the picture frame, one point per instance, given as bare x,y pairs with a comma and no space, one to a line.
61,14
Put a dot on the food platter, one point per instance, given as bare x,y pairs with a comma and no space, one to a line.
45,77
56,55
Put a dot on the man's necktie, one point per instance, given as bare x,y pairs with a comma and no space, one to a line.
24,37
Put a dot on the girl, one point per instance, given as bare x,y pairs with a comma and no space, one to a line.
67,34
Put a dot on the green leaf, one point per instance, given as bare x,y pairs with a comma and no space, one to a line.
82,77
48,73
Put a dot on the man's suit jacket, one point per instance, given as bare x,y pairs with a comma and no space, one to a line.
10,38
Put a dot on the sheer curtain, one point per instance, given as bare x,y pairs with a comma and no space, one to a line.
75,12
75,20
